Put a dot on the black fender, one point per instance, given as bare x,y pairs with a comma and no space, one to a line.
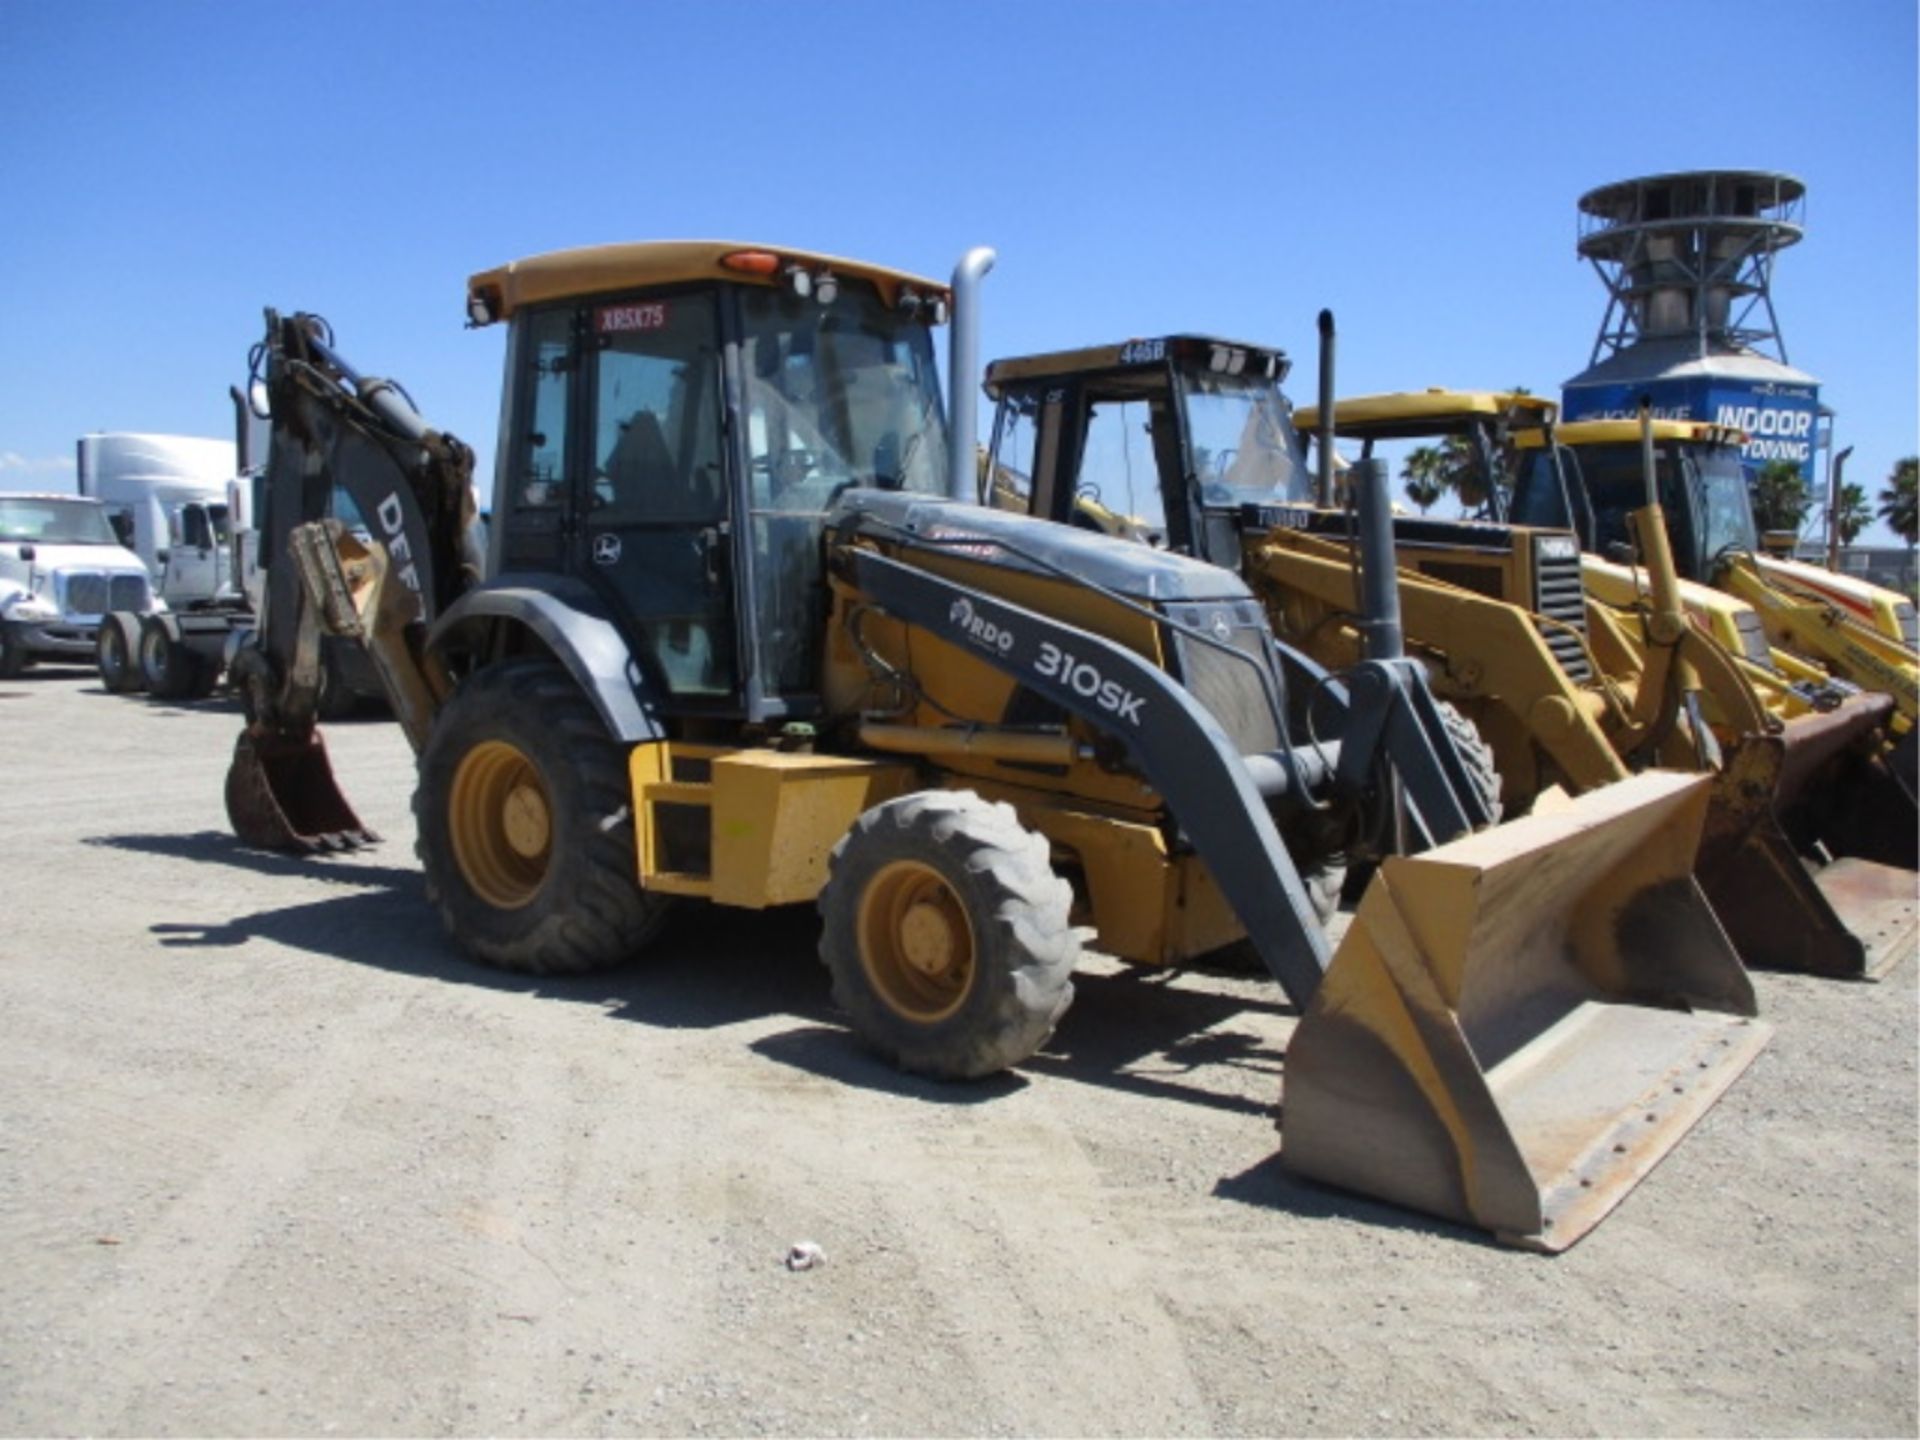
566,617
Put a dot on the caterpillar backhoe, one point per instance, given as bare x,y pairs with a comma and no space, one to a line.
1193,439
740,644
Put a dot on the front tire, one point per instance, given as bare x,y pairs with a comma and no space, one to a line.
113,652
13,655
946,934
521,790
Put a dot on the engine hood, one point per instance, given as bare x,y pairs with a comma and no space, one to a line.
1125,567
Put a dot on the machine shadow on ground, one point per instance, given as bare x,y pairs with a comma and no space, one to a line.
1202,1038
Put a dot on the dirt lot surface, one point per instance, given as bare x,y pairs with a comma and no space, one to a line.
276,1159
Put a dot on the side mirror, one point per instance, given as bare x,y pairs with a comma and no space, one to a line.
160,555
27,553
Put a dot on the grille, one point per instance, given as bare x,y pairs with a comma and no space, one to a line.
1230,689
85,593
127,592
92,592
1559,595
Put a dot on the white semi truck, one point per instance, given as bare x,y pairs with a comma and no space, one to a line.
62,568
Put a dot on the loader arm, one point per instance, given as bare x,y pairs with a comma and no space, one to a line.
1851,649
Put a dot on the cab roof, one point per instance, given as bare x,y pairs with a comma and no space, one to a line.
1210,352
1627,432
1415,414
612,269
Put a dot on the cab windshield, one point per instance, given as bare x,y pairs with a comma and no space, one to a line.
54,521
839,395
1243,445
1726,505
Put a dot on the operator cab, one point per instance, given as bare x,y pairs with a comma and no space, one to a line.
680,418
1702,488
1163,440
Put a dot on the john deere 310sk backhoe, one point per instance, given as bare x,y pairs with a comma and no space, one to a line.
738,645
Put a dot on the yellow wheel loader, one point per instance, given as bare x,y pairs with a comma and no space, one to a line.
738,644
1194,440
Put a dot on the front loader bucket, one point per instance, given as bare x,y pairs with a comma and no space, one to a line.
1520,1023
281,795
1835,788
1852,919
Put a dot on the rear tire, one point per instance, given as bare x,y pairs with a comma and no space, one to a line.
526,858
114,654
946,934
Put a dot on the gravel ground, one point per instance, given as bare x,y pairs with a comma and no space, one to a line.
276,1159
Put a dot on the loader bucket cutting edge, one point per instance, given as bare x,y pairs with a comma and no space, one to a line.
281,795
1520,1024
1852,920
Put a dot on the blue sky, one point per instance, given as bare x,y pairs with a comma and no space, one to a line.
171,167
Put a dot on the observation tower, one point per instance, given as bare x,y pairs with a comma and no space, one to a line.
1687,260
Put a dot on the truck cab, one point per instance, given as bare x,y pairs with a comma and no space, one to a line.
61,568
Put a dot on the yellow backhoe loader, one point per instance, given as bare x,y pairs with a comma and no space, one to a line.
1194,440
1818,626
739,644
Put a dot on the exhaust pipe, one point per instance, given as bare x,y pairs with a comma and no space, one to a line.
1323,473
963,372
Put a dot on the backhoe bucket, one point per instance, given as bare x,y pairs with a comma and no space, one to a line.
1520,1023
281,795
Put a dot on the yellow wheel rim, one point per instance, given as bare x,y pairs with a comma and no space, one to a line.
501,821
916,942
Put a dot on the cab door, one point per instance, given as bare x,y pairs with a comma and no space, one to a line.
654,514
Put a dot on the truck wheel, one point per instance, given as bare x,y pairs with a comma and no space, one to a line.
520,814
167,666
946,934
113,652
13,655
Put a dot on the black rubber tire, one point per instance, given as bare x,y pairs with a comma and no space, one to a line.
1022,947
114,656
1476,754
13,655
169,668
589,911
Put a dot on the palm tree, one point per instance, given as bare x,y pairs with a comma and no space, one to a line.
1422,472
1780,499
1851,515
1897,501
